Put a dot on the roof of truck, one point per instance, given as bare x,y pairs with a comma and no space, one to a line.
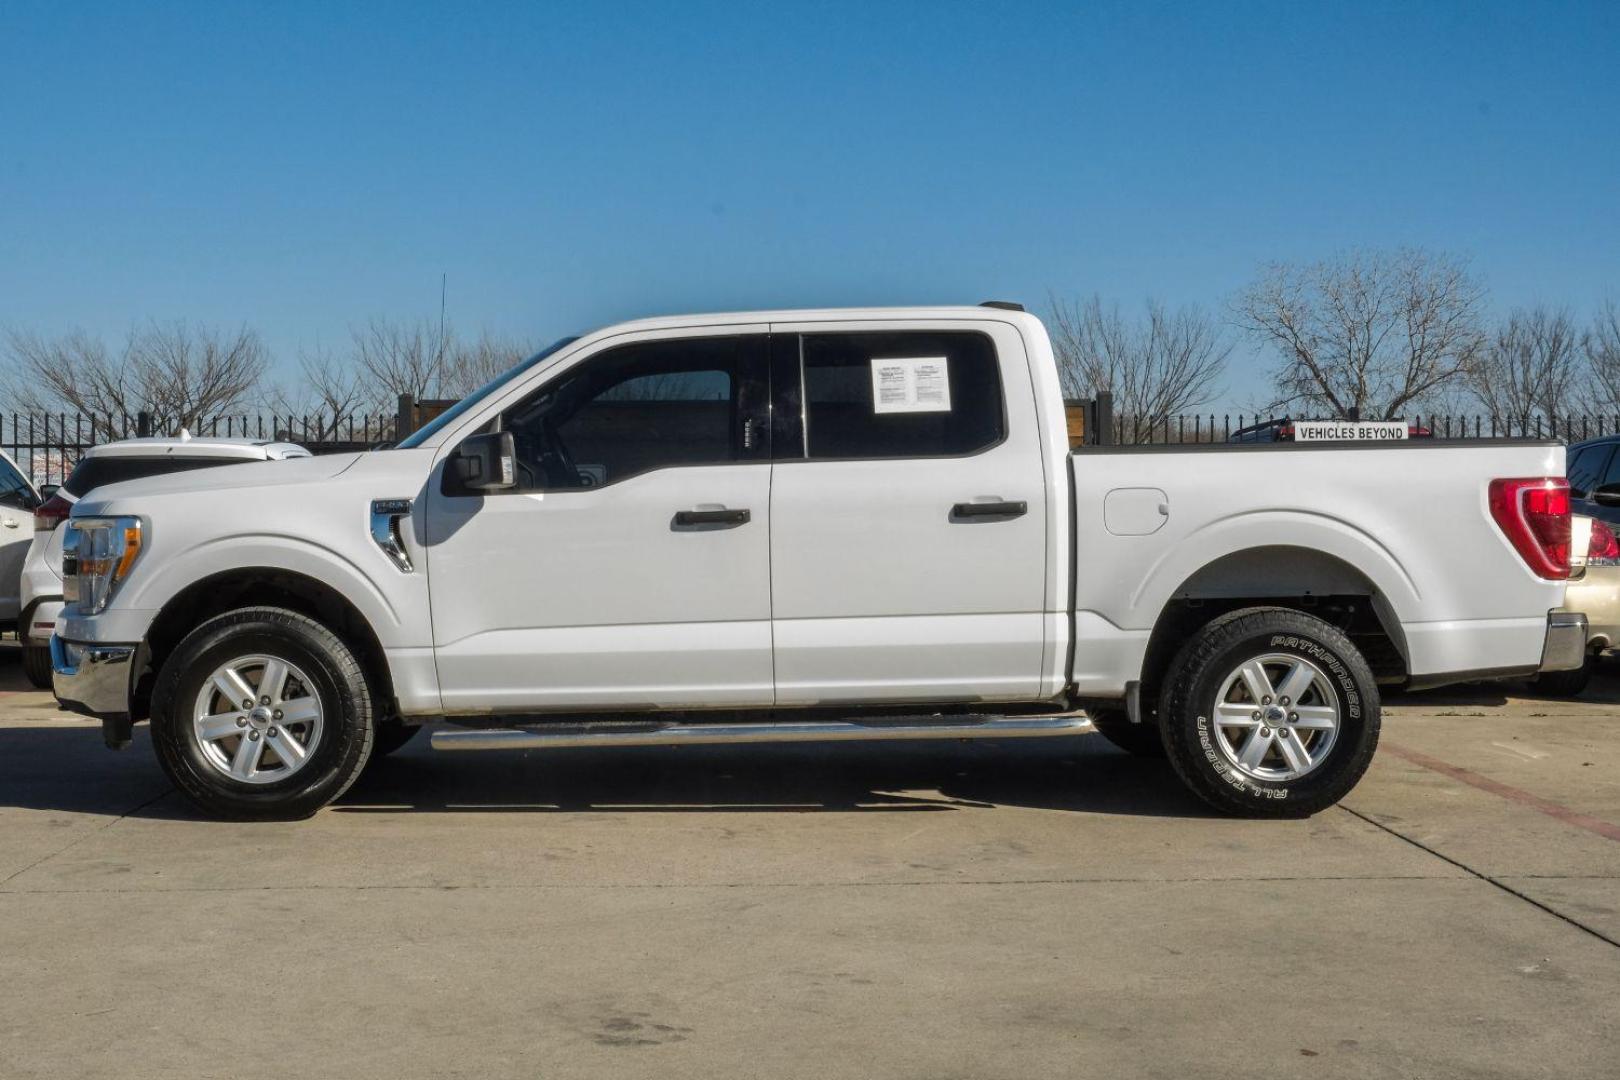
790,315
185,445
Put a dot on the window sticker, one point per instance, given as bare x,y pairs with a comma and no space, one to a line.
911,384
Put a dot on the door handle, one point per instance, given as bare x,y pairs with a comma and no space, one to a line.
11,523
1005,508
712,517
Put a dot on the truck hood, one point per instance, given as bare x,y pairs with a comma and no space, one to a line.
248,474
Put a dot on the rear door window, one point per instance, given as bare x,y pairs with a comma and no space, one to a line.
95,472
906,394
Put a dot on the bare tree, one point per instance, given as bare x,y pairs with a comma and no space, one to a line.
1531,366
400,358
324,399
469,365
180,373
425,360
1165,363
1369,334
1602,346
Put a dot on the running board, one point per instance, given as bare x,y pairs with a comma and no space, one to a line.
574,735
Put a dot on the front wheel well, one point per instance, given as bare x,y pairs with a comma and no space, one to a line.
249,587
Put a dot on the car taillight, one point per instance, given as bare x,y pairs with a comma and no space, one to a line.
1533,513
1603,544
51,513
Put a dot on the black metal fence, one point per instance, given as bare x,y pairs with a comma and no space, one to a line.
46,446
1227,427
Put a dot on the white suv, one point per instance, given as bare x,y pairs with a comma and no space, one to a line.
109,463
18,499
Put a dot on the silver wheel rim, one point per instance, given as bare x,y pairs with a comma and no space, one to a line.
1276,717
257,719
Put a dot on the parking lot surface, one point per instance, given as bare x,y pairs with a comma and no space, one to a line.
1027,909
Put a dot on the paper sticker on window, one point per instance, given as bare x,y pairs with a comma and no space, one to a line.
911,384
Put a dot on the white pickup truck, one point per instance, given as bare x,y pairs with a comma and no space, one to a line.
805,525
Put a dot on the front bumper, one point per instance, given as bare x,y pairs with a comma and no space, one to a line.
1565,647
93,679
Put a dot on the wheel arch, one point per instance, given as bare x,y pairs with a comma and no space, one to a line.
259,585
1283,575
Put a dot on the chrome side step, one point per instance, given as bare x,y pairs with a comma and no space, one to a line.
576,735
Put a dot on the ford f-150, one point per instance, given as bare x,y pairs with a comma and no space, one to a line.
805,525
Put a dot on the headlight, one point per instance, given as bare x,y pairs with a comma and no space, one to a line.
97,555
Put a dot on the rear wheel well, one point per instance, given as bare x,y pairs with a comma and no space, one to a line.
238,588
1299,578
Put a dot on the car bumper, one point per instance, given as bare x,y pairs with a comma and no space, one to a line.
39,620
92,679
1565,647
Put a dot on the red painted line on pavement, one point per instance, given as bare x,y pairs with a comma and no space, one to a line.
1507,791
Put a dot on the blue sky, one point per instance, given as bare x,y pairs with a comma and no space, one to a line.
305,167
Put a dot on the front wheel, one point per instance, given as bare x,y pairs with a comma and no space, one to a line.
262,713
1269,712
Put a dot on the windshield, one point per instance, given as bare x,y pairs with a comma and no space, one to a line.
456,411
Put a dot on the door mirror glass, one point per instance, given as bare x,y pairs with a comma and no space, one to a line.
484,463
1607,495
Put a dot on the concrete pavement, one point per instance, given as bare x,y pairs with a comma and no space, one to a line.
1028,909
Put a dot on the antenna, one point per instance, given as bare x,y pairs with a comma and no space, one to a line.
438,361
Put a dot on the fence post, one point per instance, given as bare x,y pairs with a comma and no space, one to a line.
143,423
406,422
1103,406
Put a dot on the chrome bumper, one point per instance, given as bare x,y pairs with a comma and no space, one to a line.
92,679
1565,648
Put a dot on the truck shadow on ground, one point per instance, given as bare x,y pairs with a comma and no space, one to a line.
1082,774
64,768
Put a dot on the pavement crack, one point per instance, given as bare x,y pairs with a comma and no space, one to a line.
1481,875
81,838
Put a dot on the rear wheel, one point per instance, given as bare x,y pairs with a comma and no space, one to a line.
262,713
1564,684
1269,712
36,660
1138,740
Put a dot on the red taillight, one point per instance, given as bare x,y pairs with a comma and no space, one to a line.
51,513
1533,513
1603,545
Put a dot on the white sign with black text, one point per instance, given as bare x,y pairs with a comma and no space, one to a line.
911,384
1350,430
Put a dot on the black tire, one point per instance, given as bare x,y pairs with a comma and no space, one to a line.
1563,684
1138,740
391,735
36,660
1195,678
335,677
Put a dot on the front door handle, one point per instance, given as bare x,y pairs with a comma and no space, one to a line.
1002,509
712,517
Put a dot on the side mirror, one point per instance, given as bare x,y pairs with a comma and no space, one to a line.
1606,495
48,491
484,462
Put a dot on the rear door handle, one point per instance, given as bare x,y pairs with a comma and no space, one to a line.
1006,508
712,517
